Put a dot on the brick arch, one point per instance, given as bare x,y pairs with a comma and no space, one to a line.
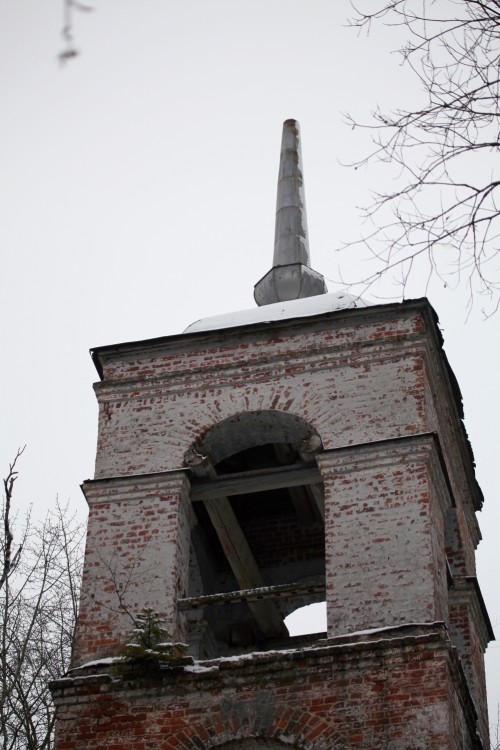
242,728
252,428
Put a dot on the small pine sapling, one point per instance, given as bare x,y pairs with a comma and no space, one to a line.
149,639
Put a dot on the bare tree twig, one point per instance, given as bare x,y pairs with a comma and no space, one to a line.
9,562
445,207
38,607
69,6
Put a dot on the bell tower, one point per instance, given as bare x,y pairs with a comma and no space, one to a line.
308,450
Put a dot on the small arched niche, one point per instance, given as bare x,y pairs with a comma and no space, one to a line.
257,538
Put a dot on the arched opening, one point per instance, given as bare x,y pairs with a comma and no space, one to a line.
257,542
253,428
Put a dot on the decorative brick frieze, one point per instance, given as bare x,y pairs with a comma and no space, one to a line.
236,348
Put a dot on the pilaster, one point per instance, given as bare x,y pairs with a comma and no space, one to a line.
137,556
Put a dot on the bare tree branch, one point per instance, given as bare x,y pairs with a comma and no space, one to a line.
67,33
445,207
38,607
9,562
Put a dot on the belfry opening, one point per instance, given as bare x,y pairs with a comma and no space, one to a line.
257,541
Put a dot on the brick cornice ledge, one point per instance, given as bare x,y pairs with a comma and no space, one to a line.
390,451
114,489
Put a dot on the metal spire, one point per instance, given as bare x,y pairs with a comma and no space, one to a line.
291,276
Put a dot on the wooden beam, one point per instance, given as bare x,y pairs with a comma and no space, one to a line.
299,496
243,564
281,591
261,480
237,550
318,494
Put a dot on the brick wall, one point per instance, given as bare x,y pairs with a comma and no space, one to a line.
385,556
404,692
152,408
399,495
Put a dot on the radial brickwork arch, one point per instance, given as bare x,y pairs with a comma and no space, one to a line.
253,428
248,727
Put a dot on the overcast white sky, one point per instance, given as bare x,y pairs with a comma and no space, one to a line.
137,194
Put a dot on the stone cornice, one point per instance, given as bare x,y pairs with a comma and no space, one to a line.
466,591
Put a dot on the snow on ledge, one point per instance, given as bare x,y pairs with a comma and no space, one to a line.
99,662
204,666
297,308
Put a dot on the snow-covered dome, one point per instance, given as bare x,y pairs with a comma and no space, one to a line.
296,308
